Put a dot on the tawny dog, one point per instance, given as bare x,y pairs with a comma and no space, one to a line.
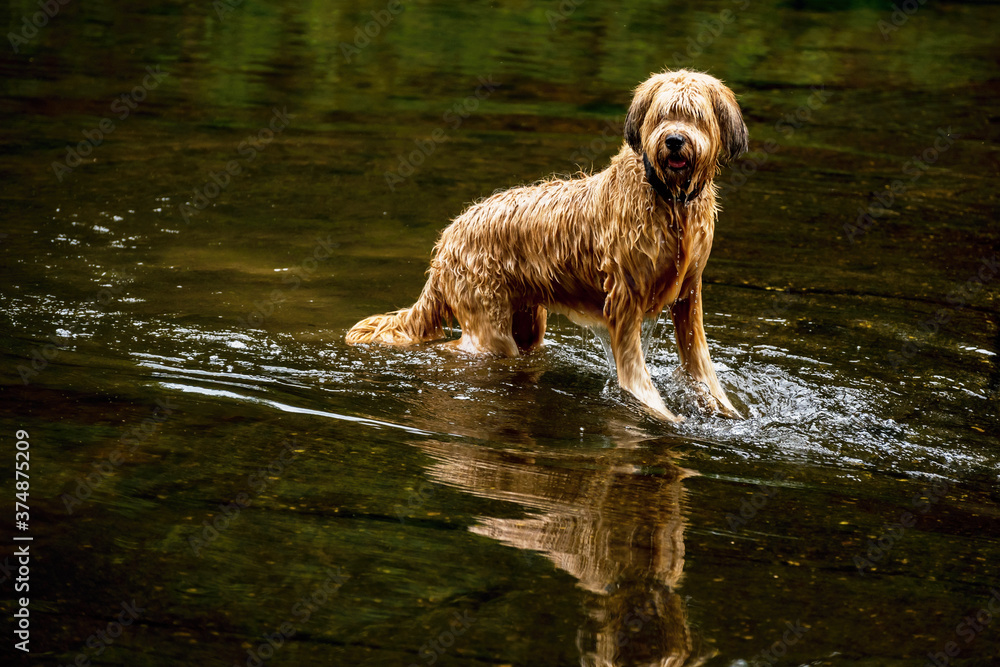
609,249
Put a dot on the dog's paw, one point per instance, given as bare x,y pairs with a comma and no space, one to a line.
715,405
668,416
729,411
660,413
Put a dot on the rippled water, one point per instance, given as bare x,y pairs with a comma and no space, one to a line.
205,447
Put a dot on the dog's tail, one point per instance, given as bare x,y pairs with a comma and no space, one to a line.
421,322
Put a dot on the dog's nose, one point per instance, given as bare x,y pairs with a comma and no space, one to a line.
674,142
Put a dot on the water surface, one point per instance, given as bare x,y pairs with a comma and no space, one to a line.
204,444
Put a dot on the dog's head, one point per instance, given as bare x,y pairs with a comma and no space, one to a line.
686,124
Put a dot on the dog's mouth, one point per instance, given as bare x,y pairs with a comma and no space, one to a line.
677,163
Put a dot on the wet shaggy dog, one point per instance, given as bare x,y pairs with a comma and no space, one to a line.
608,249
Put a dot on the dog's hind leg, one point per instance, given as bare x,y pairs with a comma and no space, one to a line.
485,331
528,327
633,375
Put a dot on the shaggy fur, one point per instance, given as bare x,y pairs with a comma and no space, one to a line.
608,249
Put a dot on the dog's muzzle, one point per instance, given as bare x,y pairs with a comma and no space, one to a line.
674,144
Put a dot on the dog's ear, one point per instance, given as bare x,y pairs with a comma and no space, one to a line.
732,129
636,115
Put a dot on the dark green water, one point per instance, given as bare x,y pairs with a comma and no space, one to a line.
203,443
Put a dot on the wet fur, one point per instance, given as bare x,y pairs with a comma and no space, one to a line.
605,249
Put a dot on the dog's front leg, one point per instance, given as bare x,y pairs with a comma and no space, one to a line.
692,346
633,376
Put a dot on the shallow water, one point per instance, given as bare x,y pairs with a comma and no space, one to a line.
204,443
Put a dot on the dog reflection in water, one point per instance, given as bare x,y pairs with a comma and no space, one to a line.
618,532
608,250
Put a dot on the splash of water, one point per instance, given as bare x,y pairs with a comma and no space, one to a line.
650,340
